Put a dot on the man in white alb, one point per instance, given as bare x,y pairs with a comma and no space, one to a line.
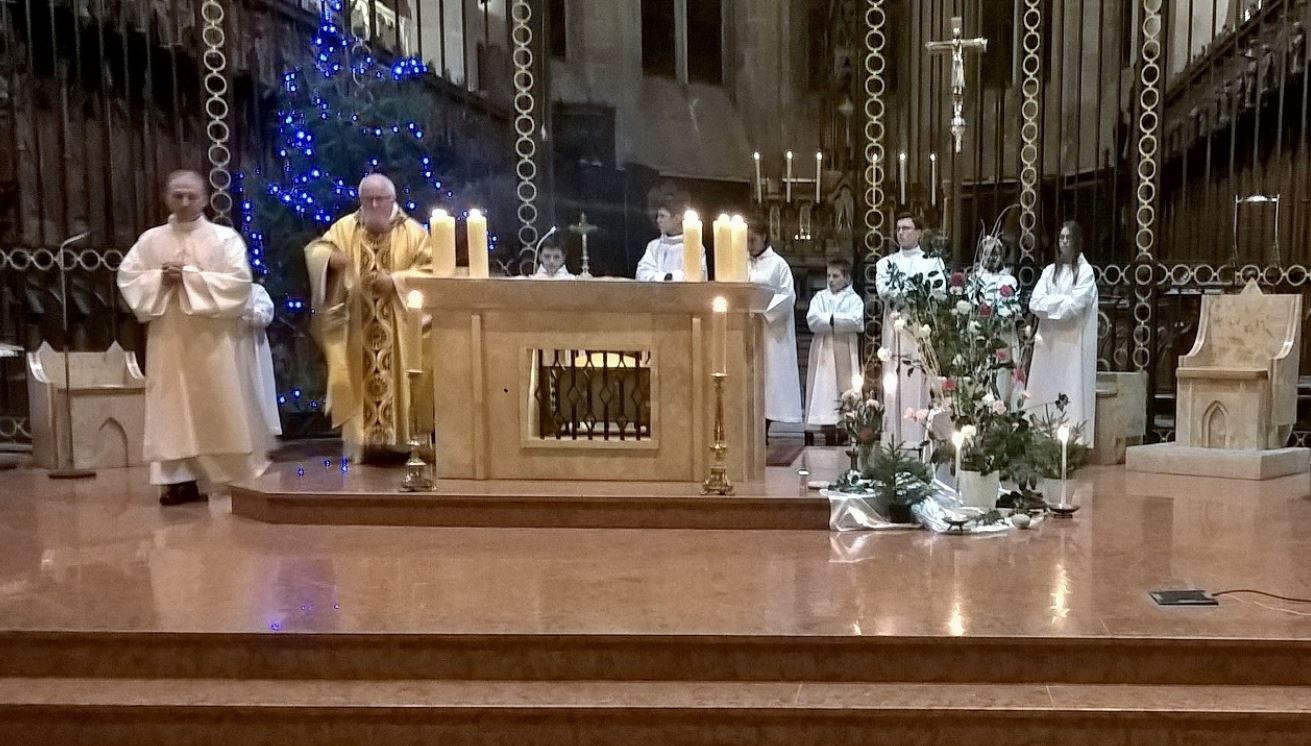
189,282
782,377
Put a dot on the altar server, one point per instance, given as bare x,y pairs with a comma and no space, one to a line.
258,316
993,285
663,260
189,282
836,318
908,261
782,377
1065,344
550,264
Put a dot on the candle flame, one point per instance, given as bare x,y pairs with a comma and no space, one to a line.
789,155
1063,433
857,382
475,214
819,156
720,304
890,381
414,299
690,216
756,155
957,438
438,213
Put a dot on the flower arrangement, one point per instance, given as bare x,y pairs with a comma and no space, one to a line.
860,415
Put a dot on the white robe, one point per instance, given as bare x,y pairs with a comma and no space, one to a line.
782,377
664,256
988,286
1065,345
258,316
202,420
560,274
914,390
834,351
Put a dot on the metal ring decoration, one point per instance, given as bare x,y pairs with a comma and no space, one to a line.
1149,101
216,109
15,428
1030,137
525,126
43,260
875,41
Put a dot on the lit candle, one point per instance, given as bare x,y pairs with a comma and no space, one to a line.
1063,435
857,382
933,179
738,230
719,341
901,174
787,179
724,267
760,187
958,440
442,229
476,227
819,163
691,247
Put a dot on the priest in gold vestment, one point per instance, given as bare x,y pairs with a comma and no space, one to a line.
368,337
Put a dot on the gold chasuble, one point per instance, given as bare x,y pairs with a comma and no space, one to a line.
369,341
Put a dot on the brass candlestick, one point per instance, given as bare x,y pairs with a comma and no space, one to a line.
418,473
717,483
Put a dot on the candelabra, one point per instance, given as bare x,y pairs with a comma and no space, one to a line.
418,473
717,482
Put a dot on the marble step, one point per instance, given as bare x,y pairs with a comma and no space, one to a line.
690,657
73,711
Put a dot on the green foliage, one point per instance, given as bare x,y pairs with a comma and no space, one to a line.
897,475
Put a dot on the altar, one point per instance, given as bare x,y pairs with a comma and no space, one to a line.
600,379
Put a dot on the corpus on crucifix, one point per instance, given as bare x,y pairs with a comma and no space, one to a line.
957,46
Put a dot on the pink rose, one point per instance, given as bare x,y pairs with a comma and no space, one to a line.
949,385
1019,376
985,311
1006,291
1003,354
957,279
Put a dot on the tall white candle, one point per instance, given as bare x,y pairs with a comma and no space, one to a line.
787,179
933,179
724,265
719,338
442,229
476,227
692,247
738,230
819,167
958,440
1063,435
901,175
760,187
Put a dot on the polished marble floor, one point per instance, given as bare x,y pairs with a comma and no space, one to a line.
102,554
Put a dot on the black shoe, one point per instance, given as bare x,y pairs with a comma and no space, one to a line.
181,493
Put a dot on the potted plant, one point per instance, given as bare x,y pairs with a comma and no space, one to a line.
898,479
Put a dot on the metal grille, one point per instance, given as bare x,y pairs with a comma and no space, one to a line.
592,395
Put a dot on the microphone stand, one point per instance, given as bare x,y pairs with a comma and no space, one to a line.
70,471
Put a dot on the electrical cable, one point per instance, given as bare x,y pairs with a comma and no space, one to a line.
1230,591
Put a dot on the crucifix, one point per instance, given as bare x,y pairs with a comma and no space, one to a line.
957,46
583,228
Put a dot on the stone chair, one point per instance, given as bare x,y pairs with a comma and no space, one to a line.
1237,388
109,404
1121,415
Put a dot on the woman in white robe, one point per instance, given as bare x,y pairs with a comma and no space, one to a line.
1065,344
836,317
782,376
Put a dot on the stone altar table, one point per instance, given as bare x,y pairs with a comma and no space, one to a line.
602,379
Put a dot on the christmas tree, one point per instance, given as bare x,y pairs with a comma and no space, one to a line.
341,115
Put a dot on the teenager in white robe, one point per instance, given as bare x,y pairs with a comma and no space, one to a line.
258,316
550,264
663,260
910,261
189,282
782,376
1065,344
836,317
991,283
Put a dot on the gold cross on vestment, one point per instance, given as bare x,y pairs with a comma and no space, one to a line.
583,228
957,46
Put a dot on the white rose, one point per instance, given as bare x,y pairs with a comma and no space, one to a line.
925,331
922,416
969,431
962,307
895,315
957,290
974,327
870,404
958,361
999,407
884,354
898,324
988,399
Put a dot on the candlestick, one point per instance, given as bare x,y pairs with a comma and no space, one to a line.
723,232
692,247
787,180
476,228
760,187
738,229
716,482
819,163
933,179
901,175
719,335
441,227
